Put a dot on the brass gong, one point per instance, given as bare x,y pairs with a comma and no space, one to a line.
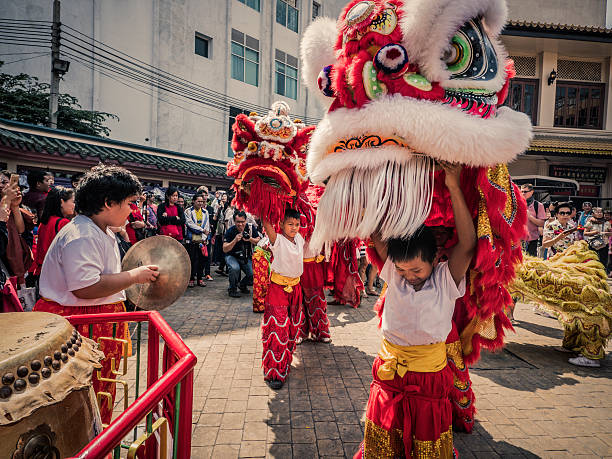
174,271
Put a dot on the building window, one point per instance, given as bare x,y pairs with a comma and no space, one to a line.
579,105
316,10
233,111
252,3
287,14
203,45
286,74
245,58
523,97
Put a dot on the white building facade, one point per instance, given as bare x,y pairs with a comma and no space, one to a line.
214,59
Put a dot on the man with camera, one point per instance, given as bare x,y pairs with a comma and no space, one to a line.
238,248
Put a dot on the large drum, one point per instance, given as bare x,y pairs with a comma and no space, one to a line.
48,407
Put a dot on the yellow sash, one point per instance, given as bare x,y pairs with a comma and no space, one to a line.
427,358
287,282
317,259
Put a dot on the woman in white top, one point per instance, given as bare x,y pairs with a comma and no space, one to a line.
409,406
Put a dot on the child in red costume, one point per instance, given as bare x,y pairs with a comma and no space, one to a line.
283,313
316,323
409,412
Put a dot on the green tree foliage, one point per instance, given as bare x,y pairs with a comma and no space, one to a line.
24,98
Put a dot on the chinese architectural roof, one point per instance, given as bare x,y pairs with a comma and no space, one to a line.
65,147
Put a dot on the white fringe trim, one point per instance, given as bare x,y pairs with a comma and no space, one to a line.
393,199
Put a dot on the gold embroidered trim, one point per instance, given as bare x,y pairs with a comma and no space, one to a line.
461,385
379,443
441,448
454,352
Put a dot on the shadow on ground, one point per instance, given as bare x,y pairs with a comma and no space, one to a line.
539,329
481,444
319,411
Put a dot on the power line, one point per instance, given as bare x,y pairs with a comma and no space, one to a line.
25,59
145,79
20,43
225,100
17,54
24,21
150,94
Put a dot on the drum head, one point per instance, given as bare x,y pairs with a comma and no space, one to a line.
174,271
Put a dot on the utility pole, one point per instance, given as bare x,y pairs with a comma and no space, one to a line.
55,73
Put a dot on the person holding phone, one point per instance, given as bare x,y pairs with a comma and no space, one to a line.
560,233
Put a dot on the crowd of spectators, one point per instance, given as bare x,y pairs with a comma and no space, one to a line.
211,230
555,225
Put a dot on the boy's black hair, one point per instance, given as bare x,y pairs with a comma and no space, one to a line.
241,214
37,176
53,202
421,244
105,185
292,213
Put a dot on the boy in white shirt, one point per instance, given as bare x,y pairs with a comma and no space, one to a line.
81,273
283,313
409,410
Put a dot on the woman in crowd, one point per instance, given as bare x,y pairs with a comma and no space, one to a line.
220,232
9,301
18,256
197,220
597,232
135,226
58,210
149,213
559,233
171,217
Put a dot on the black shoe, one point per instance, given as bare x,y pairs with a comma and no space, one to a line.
275,384
233,293
245,290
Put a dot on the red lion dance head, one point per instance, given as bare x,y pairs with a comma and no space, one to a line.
269,165
408,83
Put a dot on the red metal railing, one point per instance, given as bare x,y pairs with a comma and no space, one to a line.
174,385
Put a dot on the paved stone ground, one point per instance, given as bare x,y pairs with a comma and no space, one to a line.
530,401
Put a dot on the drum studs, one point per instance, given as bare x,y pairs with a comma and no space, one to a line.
71,352
34,378
5,392
20,385
8,379
72,340
75,347
65,357
48,360
57,355
22,371
35,365
64,348
46,372
56,364
78,341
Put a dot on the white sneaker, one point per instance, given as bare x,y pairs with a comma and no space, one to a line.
583,361
325,340
300,340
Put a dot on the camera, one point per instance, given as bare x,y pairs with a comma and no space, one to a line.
246,235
